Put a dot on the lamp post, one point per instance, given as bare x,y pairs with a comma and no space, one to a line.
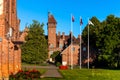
72,20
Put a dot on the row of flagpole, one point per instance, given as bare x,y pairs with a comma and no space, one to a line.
89,23
80,39
72,20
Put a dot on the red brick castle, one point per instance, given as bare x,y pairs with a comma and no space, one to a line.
60,42
11,38
10,52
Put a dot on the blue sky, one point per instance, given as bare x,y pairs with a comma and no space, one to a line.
29,10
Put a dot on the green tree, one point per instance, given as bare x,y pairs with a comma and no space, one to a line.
105,39
35,48
110,38
57,58
93,32
54,54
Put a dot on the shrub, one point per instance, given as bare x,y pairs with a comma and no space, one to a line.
58,64
63,67
29,75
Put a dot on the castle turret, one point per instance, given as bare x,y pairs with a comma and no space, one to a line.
10,59
51,31
51,34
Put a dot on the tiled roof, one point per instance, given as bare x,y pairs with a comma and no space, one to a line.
51,19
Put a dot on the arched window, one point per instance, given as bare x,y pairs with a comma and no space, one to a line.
16,47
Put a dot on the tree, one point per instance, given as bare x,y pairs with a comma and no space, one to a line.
105,37
54,54
109,38
35,48
93,32
57,57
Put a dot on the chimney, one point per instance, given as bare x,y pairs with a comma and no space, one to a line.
70,32
63,35
79,36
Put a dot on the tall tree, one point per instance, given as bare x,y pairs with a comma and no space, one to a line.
105,38
109,39
35,48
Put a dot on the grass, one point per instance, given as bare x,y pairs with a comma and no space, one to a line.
85,74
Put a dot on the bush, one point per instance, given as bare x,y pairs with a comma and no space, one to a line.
29,75
58,64
63,67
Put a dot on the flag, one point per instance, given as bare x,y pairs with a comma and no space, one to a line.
73,19
90,23
81,21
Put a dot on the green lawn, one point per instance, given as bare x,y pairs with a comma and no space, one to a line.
85,74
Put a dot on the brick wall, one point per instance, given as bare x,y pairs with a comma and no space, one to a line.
10,59
52,34
71,56
4,59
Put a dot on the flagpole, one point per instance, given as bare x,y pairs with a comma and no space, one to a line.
80,44
71,42
88,43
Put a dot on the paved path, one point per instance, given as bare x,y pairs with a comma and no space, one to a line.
52,71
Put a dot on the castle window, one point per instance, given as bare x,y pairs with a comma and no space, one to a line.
0,39
16,47
51,45
73,49
84,48
61,46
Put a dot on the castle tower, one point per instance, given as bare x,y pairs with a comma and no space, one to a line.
51,34
4,27
10,57
8,18
13,20
51,31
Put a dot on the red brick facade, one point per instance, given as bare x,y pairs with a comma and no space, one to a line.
10,52
71,56
70,53
58,42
